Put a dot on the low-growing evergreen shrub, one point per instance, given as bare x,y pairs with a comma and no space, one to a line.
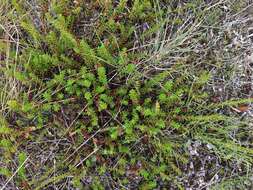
89,78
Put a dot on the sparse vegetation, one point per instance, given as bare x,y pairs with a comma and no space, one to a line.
139,94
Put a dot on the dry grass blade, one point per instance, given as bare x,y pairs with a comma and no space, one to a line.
15,173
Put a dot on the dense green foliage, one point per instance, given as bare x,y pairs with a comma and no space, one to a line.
88,79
